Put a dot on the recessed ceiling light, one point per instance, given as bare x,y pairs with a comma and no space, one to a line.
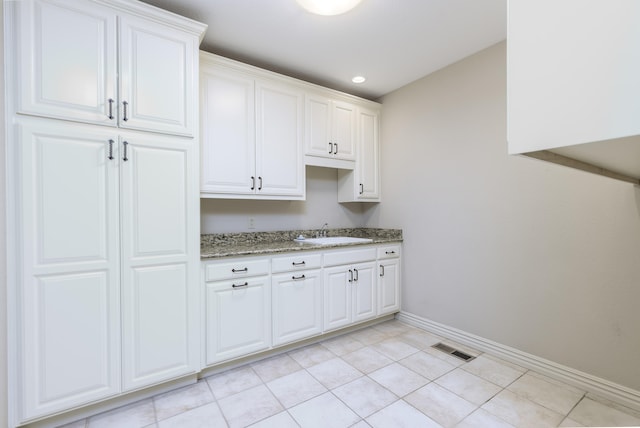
328,7
358,79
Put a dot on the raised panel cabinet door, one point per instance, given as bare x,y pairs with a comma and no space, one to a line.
279,135
158,77
228,131
337,282
318,126
297,305
67,57
238,318
389,286
367,166
364,289
344,130
69,297
160,258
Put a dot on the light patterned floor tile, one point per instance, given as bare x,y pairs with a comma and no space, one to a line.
181,400
393,327
570,423
394,348
135,415
250,406
448,358
483,419
400,415
295,388
361,424
441,405
233,381
76,424
468,386
369,336
207,415
275,367
547,394
333,373
499,372
342,344
398,379
519,411
592,413
367,359
420,339
427,365
324,411
281,420
311,355
364,396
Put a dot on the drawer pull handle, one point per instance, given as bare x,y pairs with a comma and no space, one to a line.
381,270
295,278
302,263
110,109
330,148
246,284
124,111
336,149
110,149
240,270
124,145
356,272
350,275
253,183
389,252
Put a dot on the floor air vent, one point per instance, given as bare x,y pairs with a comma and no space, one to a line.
452,351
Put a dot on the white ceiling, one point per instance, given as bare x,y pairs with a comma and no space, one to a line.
390,42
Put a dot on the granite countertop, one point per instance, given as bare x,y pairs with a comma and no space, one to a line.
243,244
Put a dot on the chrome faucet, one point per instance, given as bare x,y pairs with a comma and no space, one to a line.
322,233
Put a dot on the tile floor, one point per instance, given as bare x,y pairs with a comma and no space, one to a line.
386,375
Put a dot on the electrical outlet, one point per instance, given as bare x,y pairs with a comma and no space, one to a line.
252,223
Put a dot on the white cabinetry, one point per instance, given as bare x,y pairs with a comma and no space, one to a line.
252,132
330,131
90,62
363,184
388,279
349,287
238,308
297,297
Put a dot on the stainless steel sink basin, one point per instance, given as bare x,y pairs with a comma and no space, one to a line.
333,240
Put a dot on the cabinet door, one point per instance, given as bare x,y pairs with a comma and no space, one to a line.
228,131
367,165
364,289
160,258
318,126
297,305
158,72
389,286
344,130
337,282
67,58
238,318
279,151
69,287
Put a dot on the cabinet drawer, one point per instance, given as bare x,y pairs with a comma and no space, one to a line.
238,268
389,251
346,257
297,262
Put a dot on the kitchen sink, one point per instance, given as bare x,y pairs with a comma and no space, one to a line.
333,240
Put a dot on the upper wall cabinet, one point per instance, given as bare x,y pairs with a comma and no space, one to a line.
572,84
252,133
94,63
330,138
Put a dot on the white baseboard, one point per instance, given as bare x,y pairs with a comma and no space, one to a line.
593,384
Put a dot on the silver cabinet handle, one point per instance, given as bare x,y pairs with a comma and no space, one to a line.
260,185
124,111
111,149
240,270
330,148
356,272
350,275
124,151
336,148
253,183
302,263
110,108
246,284
381,270
295,278
361,188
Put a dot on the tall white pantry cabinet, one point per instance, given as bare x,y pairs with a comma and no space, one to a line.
103,201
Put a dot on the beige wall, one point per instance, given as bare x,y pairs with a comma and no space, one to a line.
321,206
535,256
3,241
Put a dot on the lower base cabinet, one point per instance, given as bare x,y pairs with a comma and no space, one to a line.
349,294
238,318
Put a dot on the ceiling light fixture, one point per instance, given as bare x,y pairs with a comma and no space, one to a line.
358,79
328,7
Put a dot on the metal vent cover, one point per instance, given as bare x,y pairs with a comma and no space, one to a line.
452,351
